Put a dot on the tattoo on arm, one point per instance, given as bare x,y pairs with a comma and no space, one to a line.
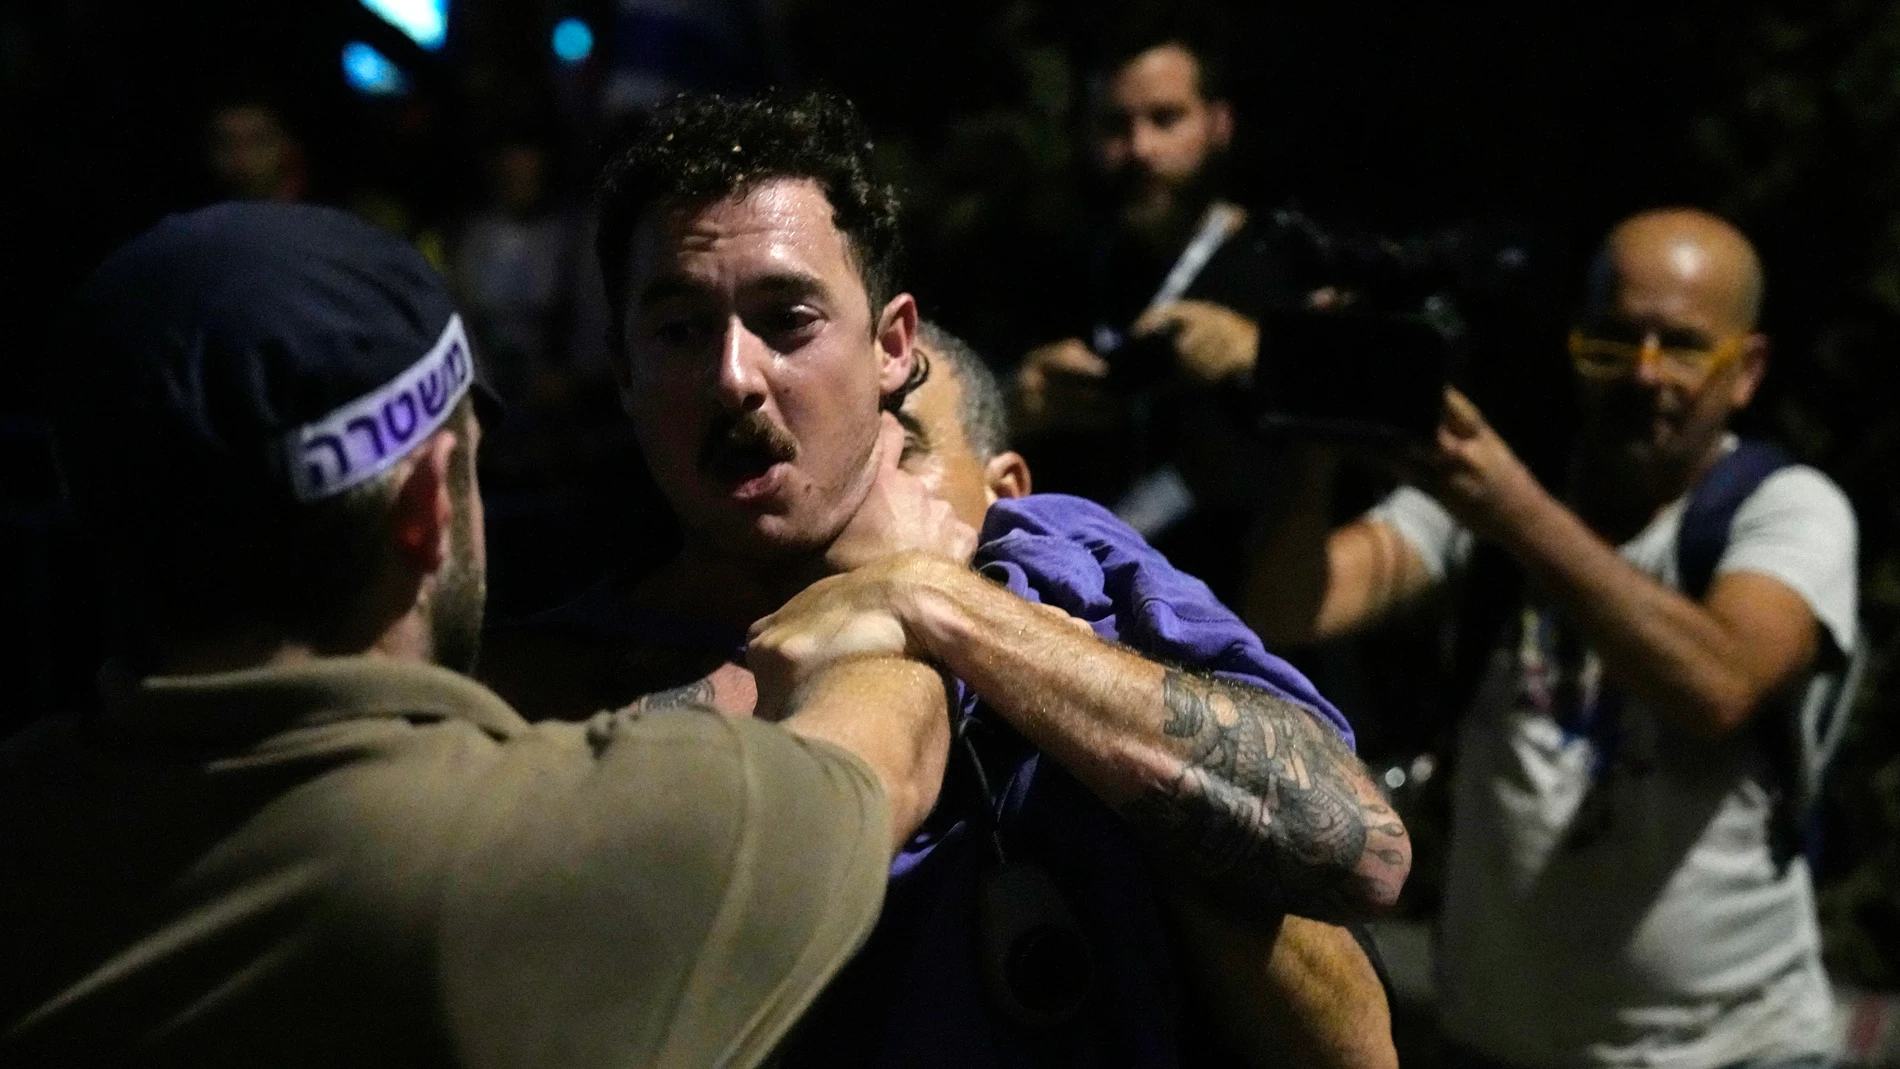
697,693
1264,804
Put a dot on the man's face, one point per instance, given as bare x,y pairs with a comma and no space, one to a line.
249,152
520,174
455,616
1157,132
753,373
937,450
1657,418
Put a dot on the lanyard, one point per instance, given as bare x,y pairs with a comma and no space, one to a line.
1218,223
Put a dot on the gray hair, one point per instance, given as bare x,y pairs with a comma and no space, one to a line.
982,409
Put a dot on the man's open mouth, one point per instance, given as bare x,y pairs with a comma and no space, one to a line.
742,465
742,453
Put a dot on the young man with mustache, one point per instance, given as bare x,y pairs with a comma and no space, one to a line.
762,343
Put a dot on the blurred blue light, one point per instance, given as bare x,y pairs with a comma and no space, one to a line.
573,41
425,21
370,72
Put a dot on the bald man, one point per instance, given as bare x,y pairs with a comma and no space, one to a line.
1616,891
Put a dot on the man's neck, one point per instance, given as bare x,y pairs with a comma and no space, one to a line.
407,639
226,655
1618,500
1163,238
711,587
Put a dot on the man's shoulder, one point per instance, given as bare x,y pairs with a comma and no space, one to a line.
217,836
1442,543
416,817
1796,507
1799,528
1077,555
601,650
1802,488
1068,547
1055,514
1258,262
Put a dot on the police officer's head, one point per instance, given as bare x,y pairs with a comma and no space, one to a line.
264,418
750,261
1162,124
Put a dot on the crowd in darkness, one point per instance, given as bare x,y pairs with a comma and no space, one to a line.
1566,623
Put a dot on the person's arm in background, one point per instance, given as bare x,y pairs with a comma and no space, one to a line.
1246,790
1061,386
1706,666
1286,992
1308,582
1213,344
1303,992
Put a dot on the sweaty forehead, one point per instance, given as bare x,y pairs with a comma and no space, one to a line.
777,228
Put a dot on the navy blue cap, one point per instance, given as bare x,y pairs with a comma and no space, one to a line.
284,350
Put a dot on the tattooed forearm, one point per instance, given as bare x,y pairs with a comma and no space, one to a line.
1269,805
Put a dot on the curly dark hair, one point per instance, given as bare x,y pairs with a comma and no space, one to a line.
707,147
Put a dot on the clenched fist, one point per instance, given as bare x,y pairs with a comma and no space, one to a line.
1473,473
858,614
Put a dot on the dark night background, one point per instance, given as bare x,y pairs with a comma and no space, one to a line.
1546,122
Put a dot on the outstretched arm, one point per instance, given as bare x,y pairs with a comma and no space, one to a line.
1247,791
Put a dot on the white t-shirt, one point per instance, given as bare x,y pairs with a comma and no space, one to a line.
1611,897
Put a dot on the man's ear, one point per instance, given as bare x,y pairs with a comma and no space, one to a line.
1753,367
896,343
424,510
1220,118
1006,475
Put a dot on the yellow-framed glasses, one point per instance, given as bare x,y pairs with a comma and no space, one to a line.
1610,358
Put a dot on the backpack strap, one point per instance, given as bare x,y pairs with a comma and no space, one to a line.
1712,507
1800,744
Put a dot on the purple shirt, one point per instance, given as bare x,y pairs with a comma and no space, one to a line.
913,997
1074,554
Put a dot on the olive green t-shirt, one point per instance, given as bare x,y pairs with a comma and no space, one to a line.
362,862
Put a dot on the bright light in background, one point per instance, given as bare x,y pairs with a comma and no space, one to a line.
573,41
425,21
370,72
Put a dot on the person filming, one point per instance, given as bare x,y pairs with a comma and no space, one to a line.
1620,890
